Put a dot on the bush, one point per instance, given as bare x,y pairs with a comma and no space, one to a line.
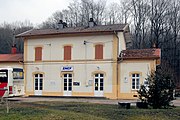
159,91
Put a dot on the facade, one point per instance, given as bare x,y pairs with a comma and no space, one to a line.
83,61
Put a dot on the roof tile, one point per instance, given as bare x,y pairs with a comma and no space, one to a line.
11,57
74,30
141,54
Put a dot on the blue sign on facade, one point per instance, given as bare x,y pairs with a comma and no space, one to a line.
67,68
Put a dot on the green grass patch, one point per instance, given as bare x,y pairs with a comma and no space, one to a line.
83,111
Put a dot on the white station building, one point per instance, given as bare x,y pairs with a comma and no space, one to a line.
91,61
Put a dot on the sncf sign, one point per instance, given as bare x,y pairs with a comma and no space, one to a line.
67,68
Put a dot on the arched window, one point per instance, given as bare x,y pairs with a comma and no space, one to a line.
135,81
38,82
98,84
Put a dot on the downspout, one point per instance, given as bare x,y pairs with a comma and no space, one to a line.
117,70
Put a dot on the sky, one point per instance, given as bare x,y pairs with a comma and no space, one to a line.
35,11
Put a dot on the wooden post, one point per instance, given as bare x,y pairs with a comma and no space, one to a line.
7,105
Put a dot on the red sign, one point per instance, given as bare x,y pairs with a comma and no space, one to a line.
2,90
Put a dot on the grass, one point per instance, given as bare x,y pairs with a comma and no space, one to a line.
83,111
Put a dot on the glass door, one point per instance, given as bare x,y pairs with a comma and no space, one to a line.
67,84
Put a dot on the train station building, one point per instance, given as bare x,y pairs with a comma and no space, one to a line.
90,61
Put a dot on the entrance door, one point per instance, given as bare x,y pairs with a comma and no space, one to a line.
67,84
99,85
38,84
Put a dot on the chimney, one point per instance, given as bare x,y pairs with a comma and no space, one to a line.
61,24
91,23
14,49
154,45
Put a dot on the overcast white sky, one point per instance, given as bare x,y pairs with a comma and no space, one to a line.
36,11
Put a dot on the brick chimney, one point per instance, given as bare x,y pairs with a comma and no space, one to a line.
61,24
14,49
91,23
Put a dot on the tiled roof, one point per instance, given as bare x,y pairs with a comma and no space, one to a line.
141,54
11,57
74,30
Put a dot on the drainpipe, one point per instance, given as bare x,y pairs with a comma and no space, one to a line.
117,70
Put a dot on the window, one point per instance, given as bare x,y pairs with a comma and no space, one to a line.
67,52
38,53
67,82
99,51
18,73
3,76
135,81
99,82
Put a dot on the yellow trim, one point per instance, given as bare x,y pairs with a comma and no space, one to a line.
115,47
135,72
62,81
99,43
88,60
98,72
52,93
158,61
114,80
110,95
27,93
93,75
115,68
66,72
130,79
25,66
67,45
119,81
82,93
42,46
38,72
137,61
128,95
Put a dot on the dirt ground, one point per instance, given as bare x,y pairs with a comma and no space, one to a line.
88,100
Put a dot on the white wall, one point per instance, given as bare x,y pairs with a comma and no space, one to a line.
53,47
53,81
128,67
53,61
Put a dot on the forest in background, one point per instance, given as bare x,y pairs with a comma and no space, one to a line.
153,23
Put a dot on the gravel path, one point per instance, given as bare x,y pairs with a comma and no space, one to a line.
88,100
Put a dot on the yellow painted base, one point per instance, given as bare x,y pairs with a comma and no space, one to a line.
82,94
110,95
27,93
128,96
89,94
52,94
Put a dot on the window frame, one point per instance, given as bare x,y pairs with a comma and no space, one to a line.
99,51
38,53
136,81
97,81
69,55
38,78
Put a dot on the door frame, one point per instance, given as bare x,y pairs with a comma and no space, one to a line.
38,92
99,92
68,92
